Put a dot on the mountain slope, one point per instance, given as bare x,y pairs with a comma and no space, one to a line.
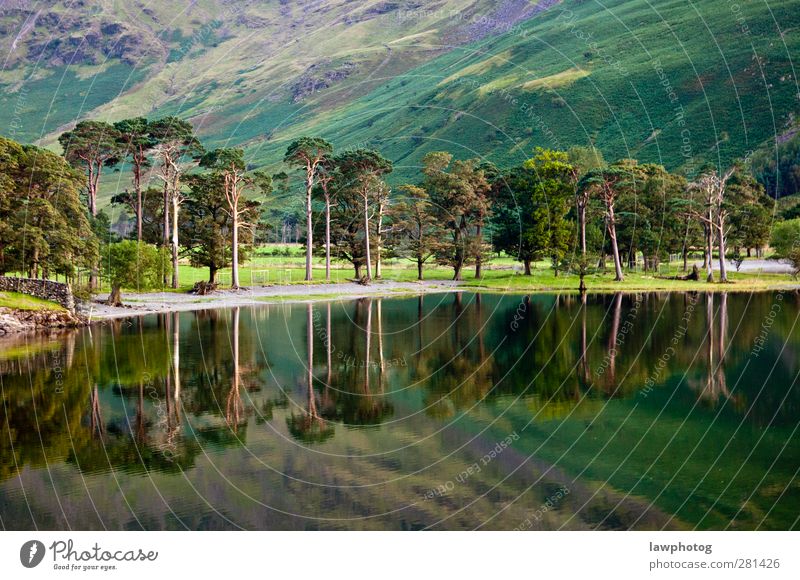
670,82
675,82
237,69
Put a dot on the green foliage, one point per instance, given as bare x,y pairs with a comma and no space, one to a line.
355,183
786,238
90,141
174,129
415,232
646,220
459,193
307,151
513,215
43,226
750,210
152,212
206,224
135,133
362,164
135,265
551,232
91,145
777,167
226,158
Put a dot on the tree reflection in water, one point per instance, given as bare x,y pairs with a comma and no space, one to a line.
153,393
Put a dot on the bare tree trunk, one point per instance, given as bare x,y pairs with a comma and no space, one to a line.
366,238
235,250
35,261
115,298
527,267
420,264
90,191
723,274
459,257
582,226
378,242
175,273
457,271
137,185
612,233
478,261
309,225
94,282
709,250
327,238
166,225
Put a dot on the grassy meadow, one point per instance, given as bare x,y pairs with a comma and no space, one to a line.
284,264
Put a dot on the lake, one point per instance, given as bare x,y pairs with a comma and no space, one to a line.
448,411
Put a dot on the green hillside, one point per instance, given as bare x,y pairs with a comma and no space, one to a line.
667,82
238,70
673,82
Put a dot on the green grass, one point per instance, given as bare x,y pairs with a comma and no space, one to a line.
546,281
43,104
501,274
24,302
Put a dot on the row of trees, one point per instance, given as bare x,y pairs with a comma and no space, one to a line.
562,205
168,150
571,207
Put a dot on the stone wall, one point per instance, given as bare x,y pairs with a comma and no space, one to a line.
45,289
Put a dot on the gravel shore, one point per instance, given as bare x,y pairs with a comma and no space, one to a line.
137,304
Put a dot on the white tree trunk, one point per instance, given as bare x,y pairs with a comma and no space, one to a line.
366,238
175,273
309,225
235,250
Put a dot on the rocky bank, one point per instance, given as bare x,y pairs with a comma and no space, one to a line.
13,321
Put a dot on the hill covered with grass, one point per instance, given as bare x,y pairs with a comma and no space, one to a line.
238,69
672,82
675,82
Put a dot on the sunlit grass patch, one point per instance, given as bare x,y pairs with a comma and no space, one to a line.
24,302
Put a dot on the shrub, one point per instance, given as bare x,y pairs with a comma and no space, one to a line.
131,264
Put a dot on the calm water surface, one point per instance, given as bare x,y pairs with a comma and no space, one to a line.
450,411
